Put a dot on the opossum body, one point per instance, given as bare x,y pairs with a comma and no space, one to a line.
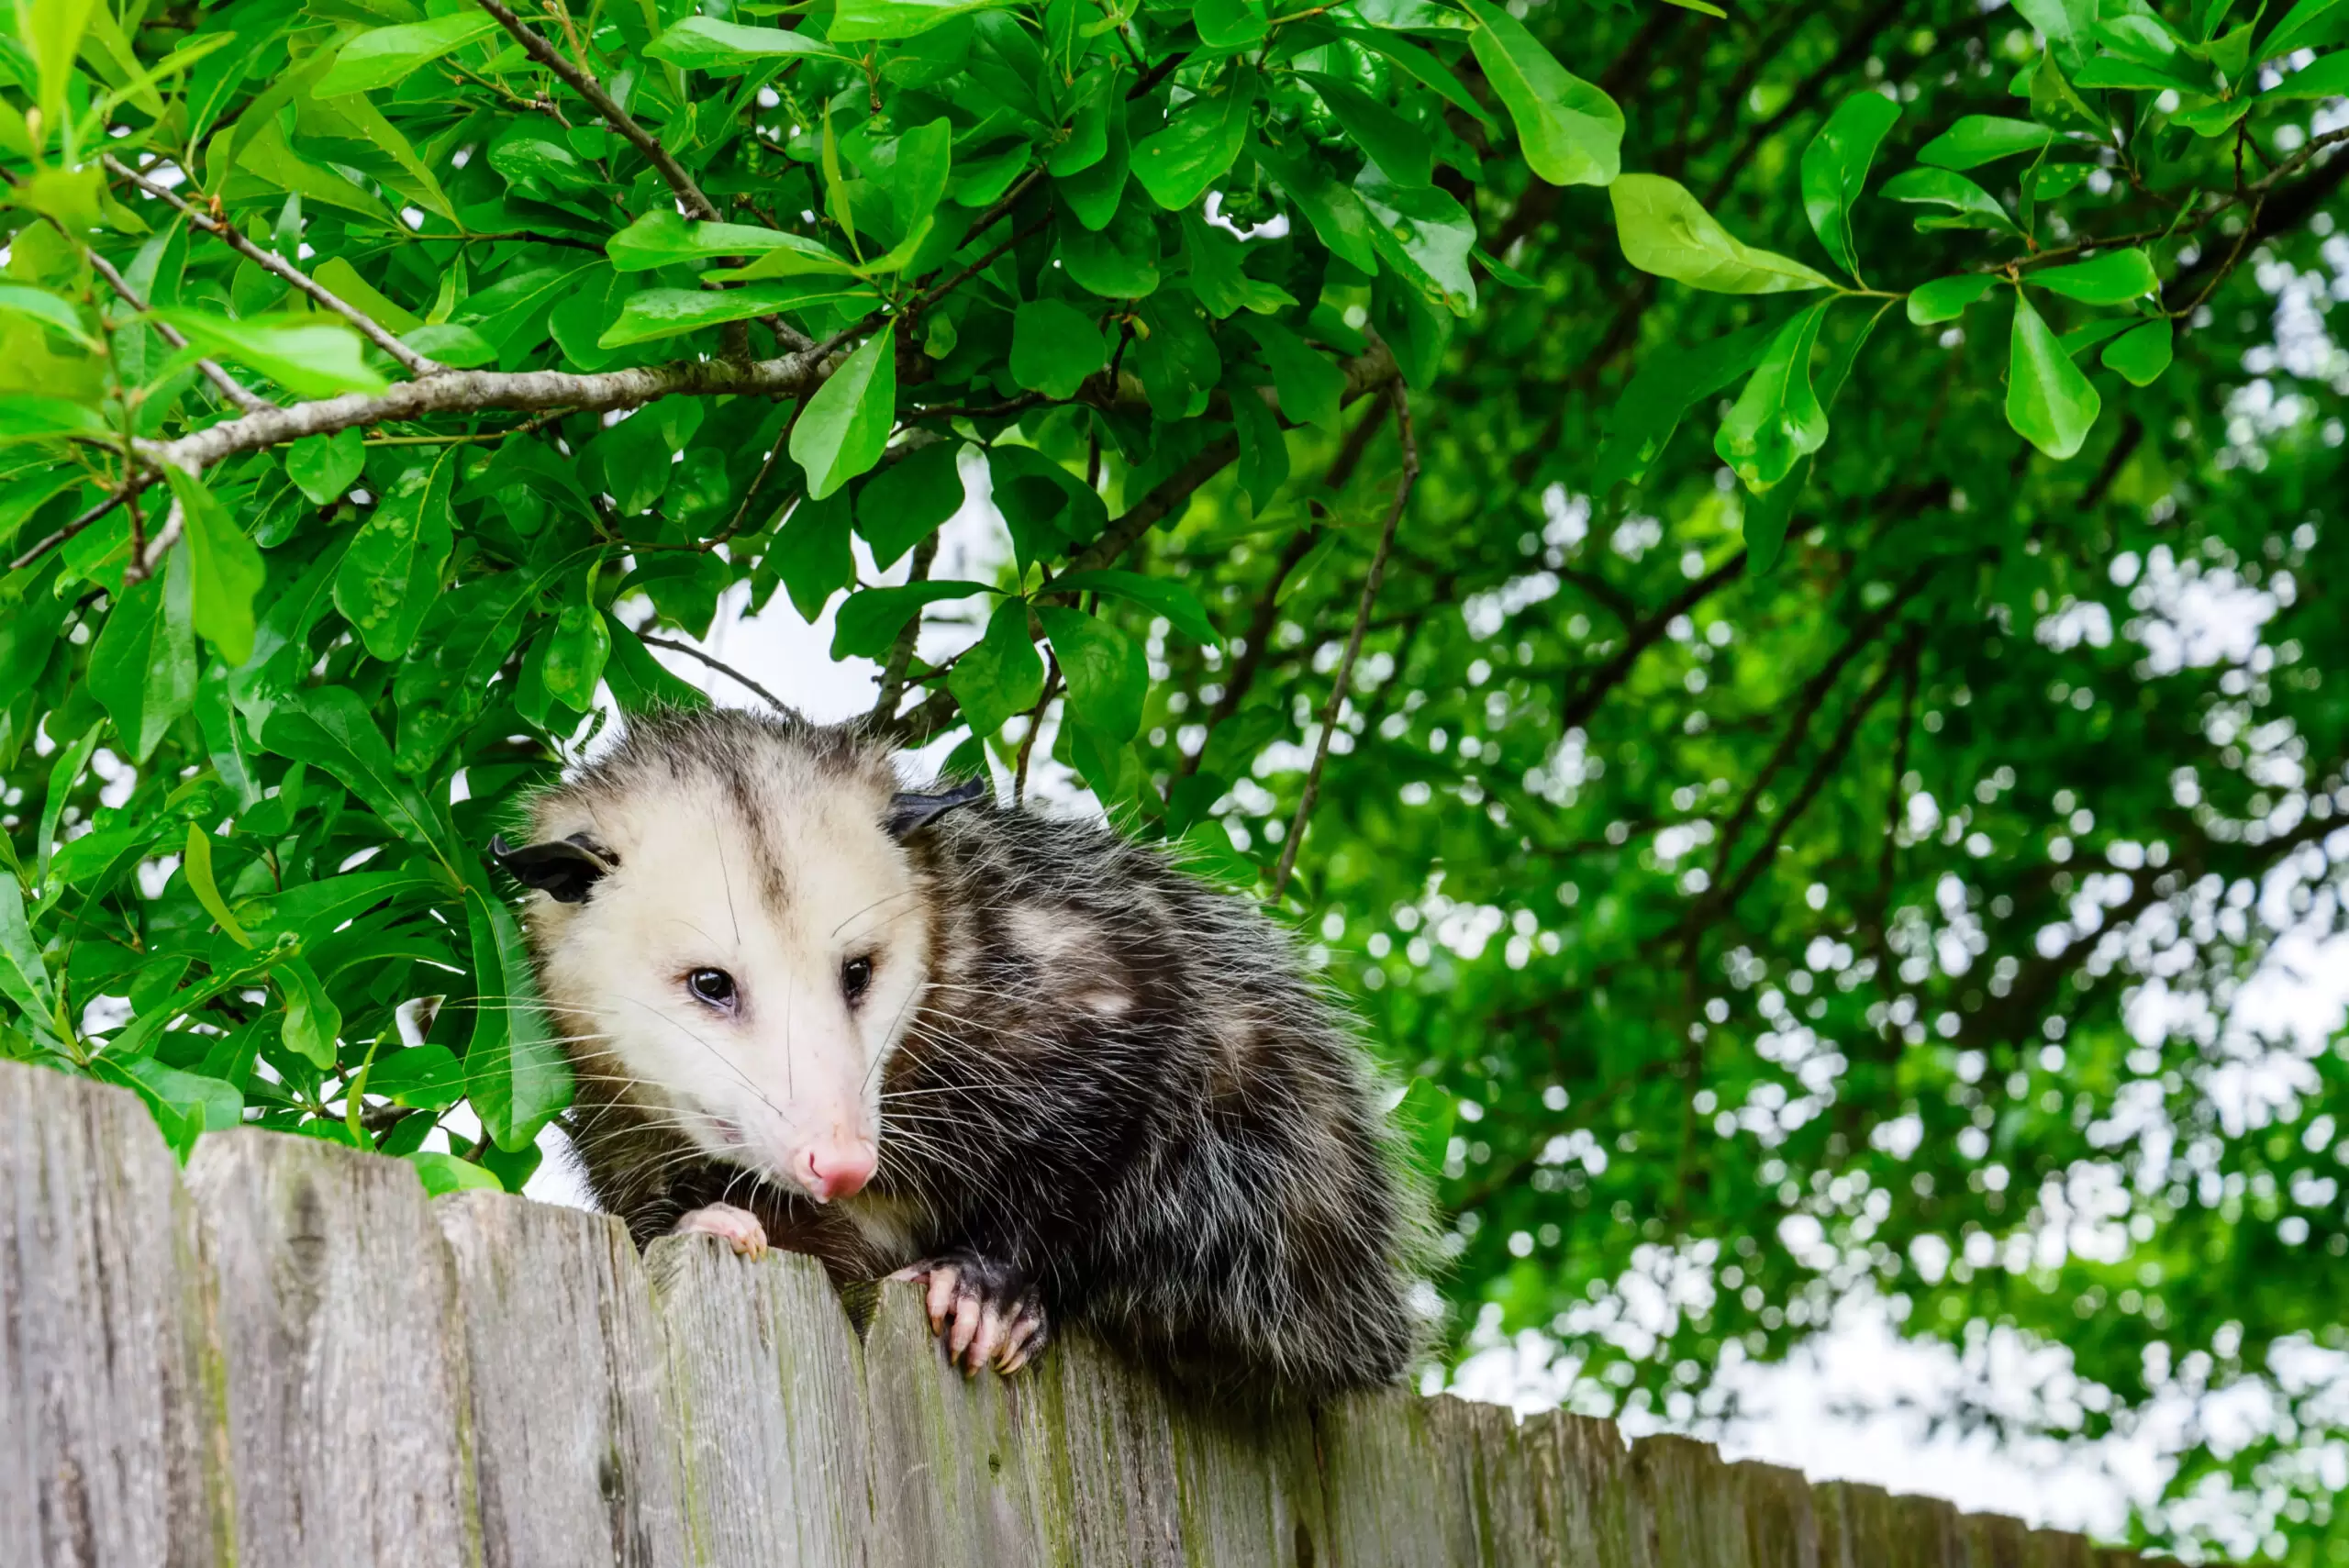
1023,1058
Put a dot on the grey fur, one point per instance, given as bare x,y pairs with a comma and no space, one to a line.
1117,1087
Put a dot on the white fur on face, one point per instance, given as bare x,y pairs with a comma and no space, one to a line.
779,891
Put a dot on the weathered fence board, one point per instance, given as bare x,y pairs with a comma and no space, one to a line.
342,1365
573,1461
290,1356
106,1445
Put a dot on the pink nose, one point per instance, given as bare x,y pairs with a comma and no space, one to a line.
837,1169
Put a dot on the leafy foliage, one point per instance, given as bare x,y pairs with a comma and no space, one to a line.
1755,844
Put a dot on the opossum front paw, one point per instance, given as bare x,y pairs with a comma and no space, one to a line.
983,1311
737,1227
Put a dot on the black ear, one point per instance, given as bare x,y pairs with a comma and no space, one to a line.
565,871
909,812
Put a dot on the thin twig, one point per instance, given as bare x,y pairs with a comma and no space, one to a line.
1331,711
271,262
901,653
130,491
578,80
1035,727
230,388
731,673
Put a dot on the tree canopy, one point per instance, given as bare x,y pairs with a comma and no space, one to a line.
1755,581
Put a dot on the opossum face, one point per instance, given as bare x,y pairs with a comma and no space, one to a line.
741,958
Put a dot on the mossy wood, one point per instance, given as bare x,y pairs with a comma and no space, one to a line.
292,1355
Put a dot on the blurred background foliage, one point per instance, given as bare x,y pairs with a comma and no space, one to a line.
1876,845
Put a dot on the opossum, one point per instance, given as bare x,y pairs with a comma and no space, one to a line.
1022,1060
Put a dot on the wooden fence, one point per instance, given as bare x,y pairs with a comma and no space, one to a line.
289,1355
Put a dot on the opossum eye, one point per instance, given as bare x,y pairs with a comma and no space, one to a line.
856,976
714,986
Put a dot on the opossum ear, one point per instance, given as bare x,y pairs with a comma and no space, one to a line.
565,870
909,812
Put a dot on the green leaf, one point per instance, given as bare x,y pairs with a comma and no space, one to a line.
1777,419
50,32
515,1072
1426,69
1835,169
385,56
1399,147
2049,402
44,308
443,1174
642,684
1970,206
1665,230
1976,140
812,553
1178,163
1229,24
197,865
329,728
63,774
1571,133
1106,673
1159,595
908,500
845,426
868,622
1766,515
1264,464
925,162
24,418
392,573
306,355
2113,278
2323,78
1423,235
999,675
1096,191
857,20
1659,395
2140,355
143,665
24,978
324,467
705,43
226,567
656,313
1118,260
1340,220
576,650
1310,386
2311,24
313,1023
1945,299
664,238
1054,347
2064,24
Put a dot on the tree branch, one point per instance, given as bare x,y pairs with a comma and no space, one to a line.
1585,698
901,653
230,388
271,261
577,79
1371,580
130,491
475,392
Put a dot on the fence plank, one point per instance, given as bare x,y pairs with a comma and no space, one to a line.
1581,1477
1384,1484
108,1449
1252,1487
1855,1525
1111,1479
767,1392
1490,1475
1695,1512
1924,1533
572,1454
1992,1541
340,1356
952,1457
1781,1520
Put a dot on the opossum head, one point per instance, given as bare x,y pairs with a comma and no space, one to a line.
732,930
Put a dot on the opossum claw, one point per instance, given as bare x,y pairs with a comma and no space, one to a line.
1028,1335
982,1311
738,1227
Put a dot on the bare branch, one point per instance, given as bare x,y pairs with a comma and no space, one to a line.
271,262
1035,725
476,392
1371,580
130,491
230,388
731,673
901,653
577,79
